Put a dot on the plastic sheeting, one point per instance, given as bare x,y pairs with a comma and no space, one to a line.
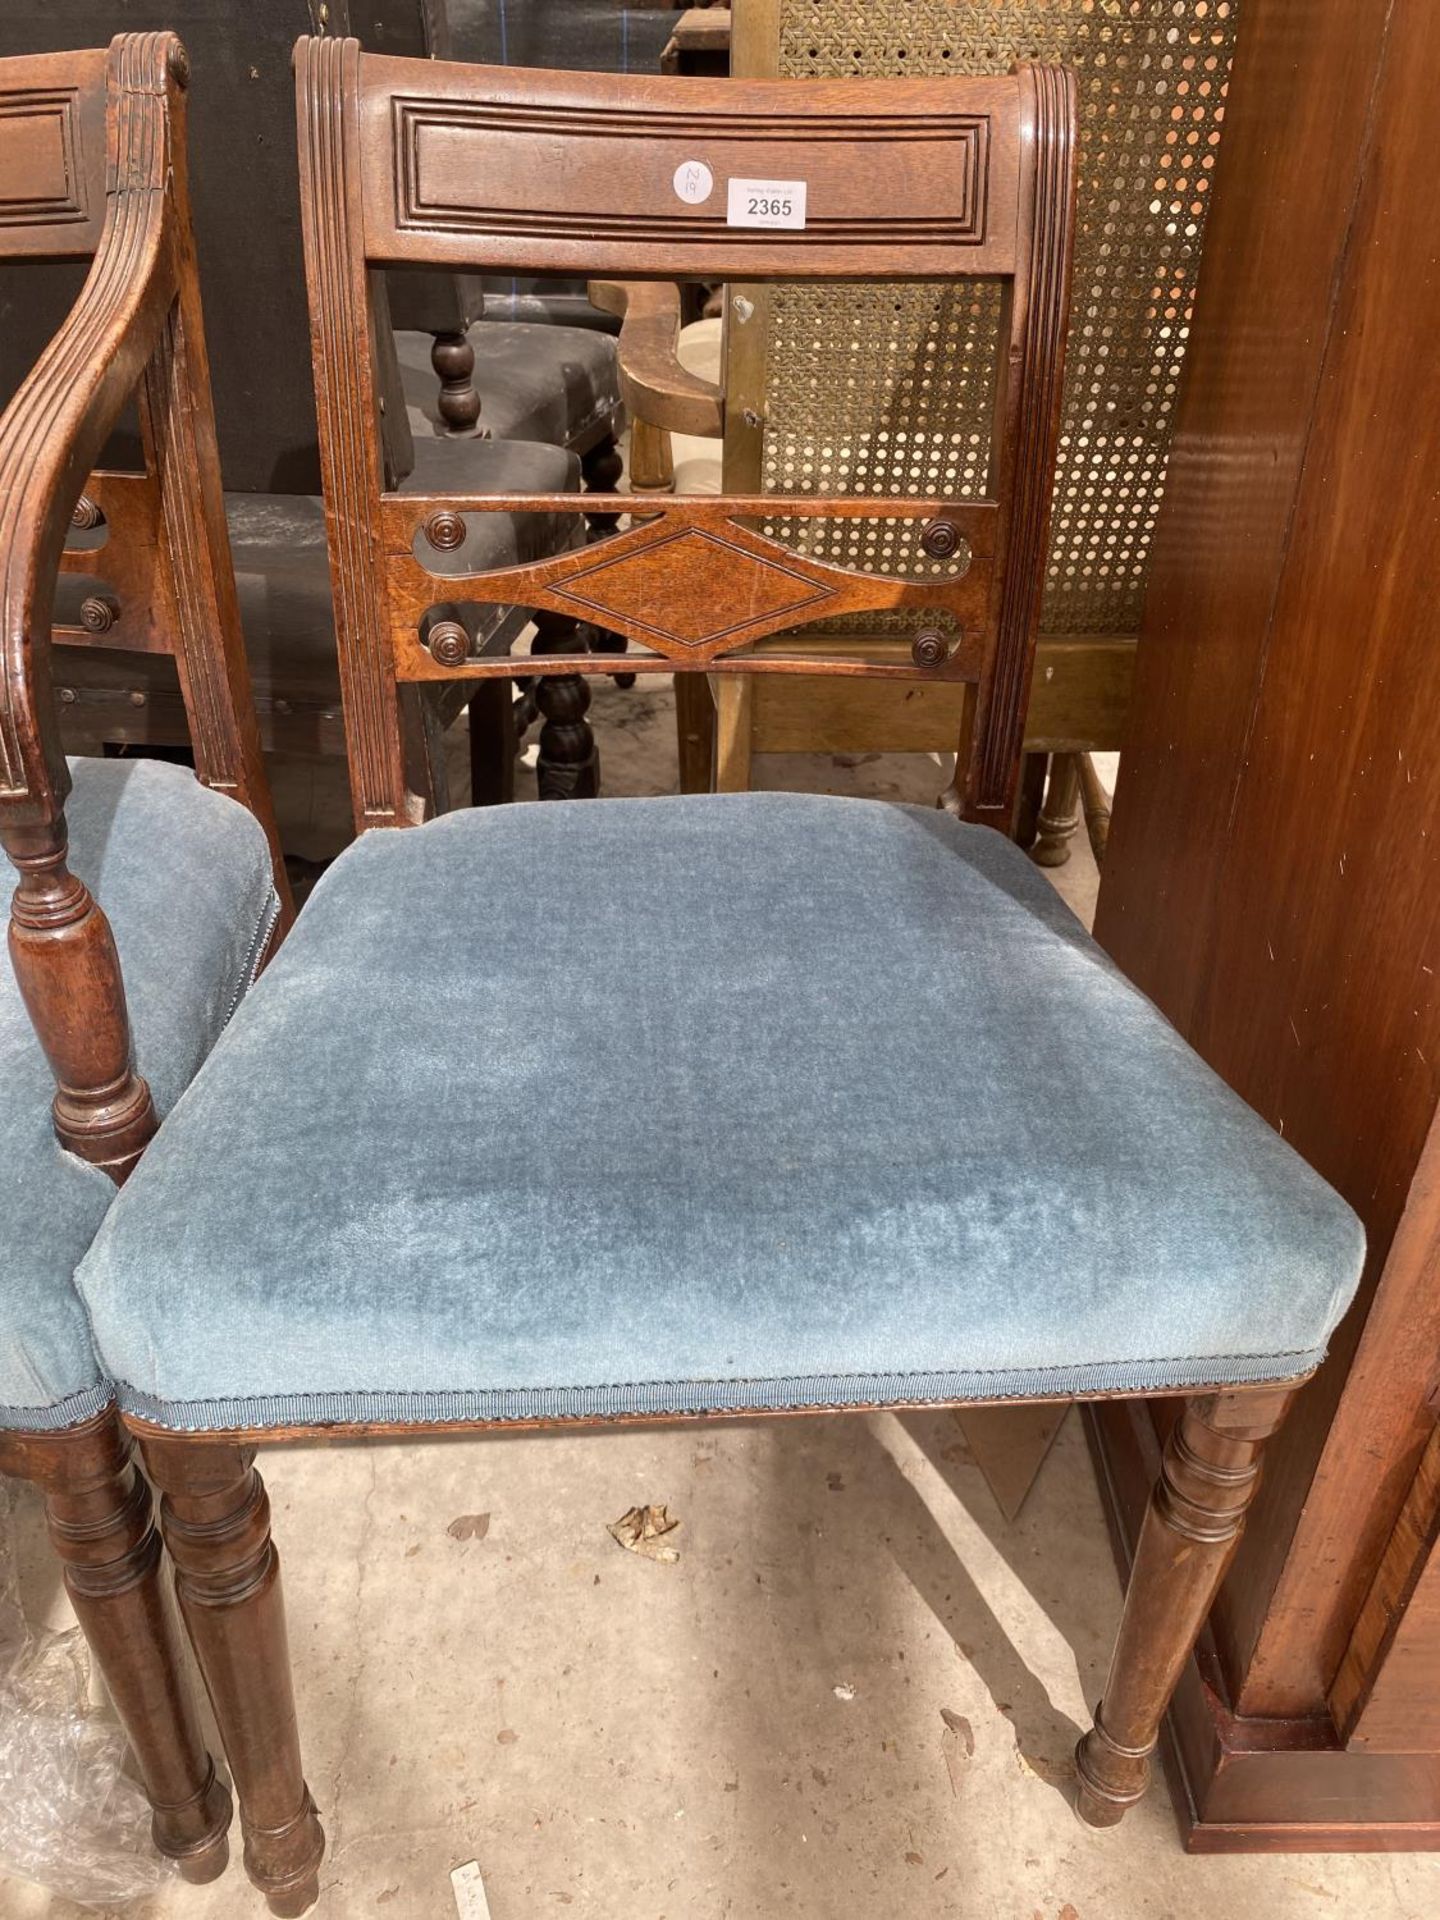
71,1818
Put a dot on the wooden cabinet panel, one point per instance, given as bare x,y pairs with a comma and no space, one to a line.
1386,1696
1273,864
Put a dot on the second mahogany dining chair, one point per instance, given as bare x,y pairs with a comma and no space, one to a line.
422,1186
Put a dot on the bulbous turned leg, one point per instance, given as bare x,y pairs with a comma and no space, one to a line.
453,358
216,1520
68,972
601,469
99,1515
1060,815
569,763
1208,1477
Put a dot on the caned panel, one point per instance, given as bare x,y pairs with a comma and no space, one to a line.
912,408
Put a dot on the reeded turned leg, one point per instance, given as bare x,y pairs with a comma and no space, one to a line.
99,1515
216,1520
569,763
1208,1477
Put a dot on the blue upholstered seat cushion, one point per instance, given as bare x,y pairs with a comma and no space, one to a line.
184,876
750,1100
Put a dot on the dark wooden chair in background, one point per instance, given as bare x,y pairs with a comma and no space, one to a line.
135,865
867,1196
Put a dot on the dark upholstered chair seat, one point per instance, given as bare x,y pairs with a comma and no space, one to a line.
535,382
282,569
184,875
754,1100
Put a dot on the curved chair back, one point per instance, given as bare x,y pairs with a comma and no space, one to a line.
408,163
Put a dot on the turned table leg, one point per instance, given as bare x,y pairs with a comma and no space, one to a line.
1208,1477
99,1515
1060,815
216,1520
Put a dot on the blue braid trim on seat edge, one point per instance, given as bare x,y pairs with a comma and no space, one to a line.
657,1398
68,1412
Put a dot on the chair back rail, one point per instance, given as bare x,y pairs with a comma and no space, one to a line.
92,163
511,171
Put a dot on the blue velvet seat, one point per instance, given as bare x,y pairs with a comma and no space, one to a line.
184,876
754,1100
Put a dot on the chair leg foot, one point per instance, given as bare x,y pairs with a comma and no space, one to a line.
1208,1477
216,1520
206,1863
300,1899
98,1512
1109,1778
290,1891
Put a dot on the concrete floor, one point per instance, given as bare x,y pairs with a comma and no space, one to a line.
855,1692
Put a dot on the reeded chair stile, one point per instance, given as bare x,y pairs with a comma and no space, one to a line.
858,1192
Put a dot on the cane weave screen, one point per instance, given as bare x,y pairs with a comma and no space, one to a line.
889,389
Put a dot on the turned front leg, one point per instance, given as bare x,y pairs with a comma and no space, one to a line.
98,1511
1208,1477
216,1519
68,973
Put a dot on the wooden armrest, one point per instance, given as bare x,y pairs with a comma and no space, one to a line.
61,947
52,432
655,387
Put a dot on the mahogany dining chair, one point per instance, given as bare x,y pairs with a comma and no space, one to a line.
421,1186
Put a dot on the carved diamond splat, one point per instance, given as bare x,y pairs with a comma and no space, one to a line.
694,589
